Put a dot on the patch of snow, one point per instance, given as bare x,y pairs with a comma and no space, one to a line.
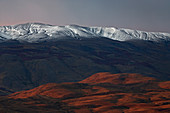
34,32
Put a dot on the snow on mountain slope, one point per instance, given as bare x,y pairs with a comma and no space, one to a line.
35,32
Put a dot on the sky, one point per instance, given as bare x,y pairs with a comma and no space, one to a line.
146,15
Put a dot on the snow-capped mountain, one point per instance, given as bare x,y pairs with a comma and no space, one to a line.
35,32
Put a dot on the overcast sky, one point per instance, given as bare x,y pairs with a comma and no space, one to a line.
147,15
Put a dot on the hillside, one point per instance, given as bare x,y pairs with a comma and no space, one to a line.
126,93
28,65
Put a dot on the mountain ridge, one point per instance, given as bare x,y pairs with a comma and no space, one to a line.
36,32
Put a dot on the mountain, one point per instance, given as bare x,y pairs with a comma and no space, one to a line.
36,32
108,93
33,54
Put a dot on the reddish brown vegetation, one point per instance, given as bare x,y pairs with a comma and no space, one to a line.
52,90
105,93
165,85
124,78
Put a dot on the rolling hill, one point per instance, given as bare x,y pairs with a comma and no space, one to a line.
108,93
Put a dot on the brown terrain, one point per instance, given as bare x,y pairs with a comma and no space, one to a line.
100,93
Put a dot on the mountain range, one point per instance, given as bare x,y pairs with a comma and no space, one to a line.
36,32
33,54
